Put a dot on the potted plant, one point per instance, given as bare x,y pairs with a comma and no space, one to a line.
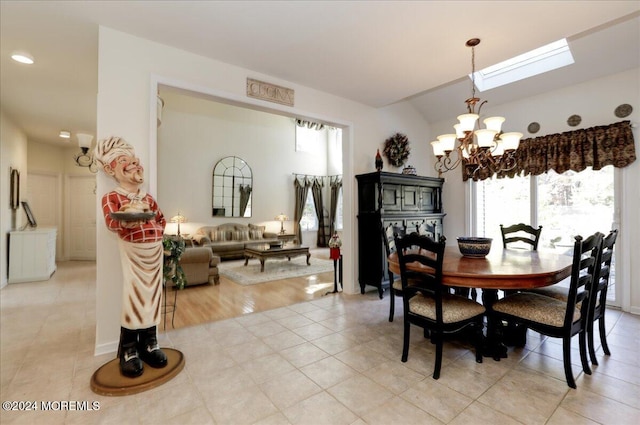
174,247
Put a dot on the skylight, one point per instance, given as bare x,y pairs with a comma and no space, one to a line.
537,61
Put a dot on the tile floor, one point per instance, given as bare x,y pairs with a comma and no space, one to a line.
334,361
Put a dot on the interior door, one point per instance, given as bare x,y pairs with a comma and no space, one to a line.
44,195
81,219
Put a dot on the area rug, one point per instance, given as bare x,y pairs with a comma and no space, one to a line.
274,269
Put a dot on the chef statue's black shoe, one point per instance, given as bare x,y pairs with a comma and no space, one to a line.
149,349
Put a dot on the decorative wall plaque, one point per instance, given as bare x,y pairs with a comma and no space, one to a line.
623,110
270,92
533,128
574,120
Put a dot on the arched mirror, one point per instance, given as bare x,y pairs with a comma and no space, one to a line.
232,186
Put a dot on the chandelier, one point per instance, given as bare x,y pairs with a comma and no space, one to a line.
478,148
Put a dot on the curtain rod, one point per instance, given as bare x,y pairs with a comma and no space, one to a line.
312,175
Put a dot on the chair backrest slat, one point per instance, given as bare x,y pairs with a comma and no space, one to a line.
520,233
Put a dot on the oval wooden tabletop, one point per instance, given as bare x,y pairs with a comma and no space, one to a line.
501,269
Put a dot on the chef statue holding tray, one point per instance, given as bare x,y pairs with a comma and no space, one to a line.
134,215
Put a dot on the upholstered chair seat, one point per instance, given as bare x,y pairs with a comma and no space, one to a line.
536,308
454,308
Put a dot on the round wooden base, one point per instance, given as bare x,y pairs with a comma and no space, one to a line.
108,380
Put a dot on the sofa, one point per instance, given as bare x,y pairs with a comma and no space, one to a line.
200,266
229,240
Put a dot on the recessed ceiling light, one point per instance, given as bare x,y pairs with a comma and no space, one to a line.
65,134
22,57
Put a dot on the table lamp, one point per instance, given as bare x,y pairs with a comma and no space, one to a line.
282,218
178,219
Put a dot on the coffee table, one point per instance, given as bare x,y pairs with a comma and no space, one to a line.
264,251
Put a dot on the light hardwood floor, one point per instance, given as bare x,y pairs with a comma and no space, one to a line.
206,303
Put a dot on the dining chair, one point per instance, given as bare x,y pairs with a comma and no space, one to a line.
427,302
517,234
598,302
520,233
395,285
556,318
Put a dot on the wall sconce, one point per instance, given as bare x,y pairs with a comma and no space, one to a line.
159,107
84,159
282,218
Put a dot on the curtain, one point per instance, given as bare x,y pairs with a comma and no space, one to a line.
336,184
316,191
301,186
309,124
573,150
245,194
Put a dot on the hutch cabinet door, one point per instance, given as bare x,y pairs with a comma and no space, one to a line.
391,197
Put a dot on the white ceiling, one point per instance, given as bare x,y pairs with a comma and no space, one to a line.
376,53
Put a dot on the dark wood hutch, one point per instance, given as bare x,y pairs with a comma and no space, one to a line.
391,198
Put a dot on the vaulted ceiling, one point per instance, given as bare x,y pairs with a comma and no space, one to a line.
376,53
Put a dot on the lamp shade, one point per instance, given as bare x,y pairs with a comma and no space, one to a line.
447,141
281,217
178,218
437,148
485,137
494,123
467,121
511,140
84,140
459,132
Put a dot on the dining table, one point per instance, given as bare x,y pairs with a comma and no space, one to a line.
506,269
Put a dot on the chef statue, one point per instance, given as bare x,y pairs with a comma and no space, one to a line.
134,215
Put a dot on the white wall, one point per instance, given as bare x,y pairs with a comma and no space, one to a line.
595,101
13,154
128,73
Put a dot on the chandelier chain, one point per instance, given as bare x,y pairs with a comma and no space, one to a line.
473,72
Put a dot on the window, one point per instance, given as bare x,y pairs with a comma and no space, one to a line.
309,219
339,211
574,204
309,139
566,205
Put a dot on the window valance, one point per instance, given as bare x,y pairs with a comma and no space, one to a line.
575,150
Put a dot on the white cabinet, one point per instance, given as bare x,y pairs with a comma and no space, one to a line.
32,254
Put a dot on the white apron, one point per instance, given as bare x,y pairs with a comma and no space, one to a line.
142,283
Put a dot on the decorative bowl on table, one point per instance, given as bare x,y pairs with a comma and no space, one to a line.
474,247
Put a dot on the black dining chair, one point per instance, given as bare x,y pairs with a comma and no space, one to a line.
557,318
427,302
395,285
520,233
598,302
514,236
